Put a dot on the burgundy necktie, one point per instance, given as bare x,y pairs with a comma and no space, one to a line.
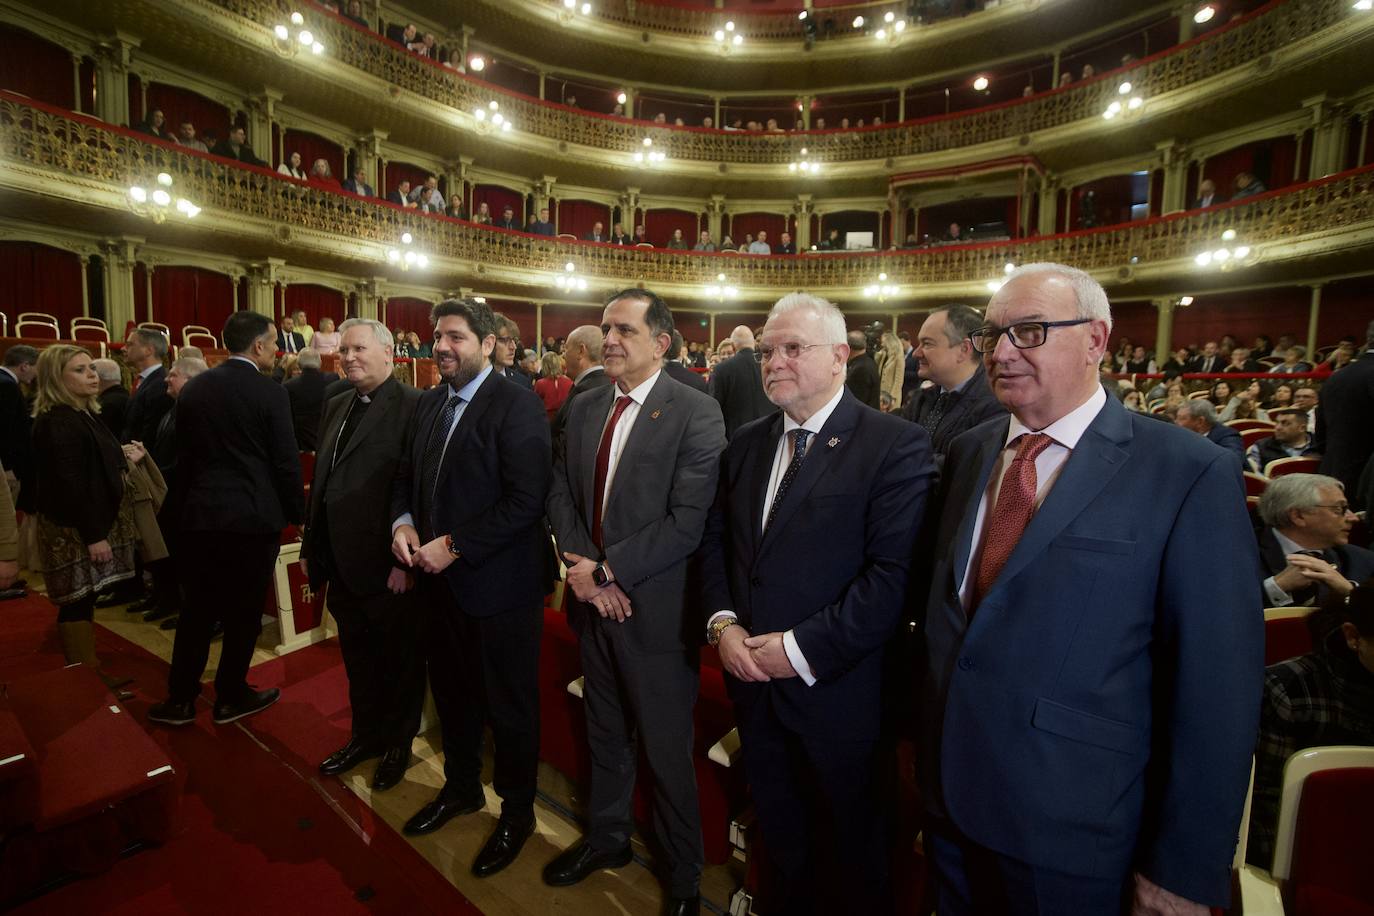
603,466
1009,518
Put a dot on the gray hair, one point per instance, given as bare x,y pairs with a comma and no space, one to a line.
106,369
153,340
309,359
379,330
1289,492
189,366
588,337
1200,409
827,315
191,352
1089,295
742,337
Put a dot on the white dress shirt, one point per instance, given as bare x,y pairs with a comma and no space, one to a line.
637,396
1276,595
1066,431
782,457
466,393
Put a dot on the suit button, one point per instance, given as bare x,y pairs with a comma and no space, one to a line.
966,664
756,582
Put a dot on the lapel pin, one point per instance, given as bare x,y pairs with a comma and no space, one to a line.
834,441
655,415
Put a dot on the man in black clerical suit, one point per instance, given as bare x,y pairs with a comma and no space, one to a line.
238,485
363,438
468,510
737,385
804,568
861,375
958,397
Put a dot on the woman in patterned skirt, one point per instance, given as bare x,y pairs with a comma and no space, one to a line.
86,532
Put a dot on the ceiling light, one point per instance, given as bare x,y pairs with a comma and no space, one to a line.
306,38
889,16
880,34
621,97
138,194
899,24
1364,5
730,26
980,83
164,179
317,48
1203,259
493,105
858,22
476,63
739,40
1229,235
1124,88
1243,252
1204,14
1008,268
719,35
1185,300
161,198
802,15
995,285
281,33
1221,255
570,3
297,19
1136,102
407,238
586,9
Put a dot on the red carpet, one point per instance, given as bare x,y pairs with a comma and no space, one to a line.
259,831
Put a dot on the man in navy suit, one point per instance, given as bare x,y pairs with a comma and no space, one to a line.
1092,689
505,351
1200,415
468,509
805,565
145,351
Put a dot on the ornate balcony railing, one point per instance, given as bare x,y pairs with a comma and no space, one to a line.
758,25
1263,32
79,152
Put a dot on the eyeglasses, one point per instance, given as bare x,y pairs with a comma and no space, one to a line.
1024,335
505,341
787,350
1339,508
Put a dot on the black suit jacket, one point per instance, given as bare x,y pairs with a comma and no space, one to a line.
295,337
364,189
1344,435
515,375
737,384
114,408
1229,439
396,198
686,376
1355,563
832,567
349,532
489,495
306,393
245,153
964,410
861,375
79,472
911,376
558,425
16,445
238,469
146,407
1200,364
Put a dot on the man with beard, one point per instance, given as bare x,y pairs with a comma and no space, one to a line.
468,506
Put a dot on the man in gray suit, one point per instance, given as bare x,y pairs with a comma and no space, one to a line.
632,486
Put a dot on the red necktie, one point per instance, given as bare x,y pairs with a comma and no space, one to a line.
603,466
138,379
1011,515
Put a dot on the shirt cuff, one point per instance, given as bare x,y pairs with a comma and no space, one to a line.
794,655
1277,596
403,520
717,616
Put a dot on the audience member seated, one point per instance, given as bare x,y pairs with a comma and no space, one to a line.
1316,700
420,349
1200,415
728,244
1247,185
1241,362
704,242
1305,554
552,386
598,233
400,346
401,196
301,324
760,245
322,174
507,219
483,215
1281,397
1293,362
235,146
1206,194
832,242
1290,440
677,241
402,34
355,12
187,137
1244,405
1139,362
292,167
1209,361
640,238
358,184
543,225
289,340
427,196
326,339
306,392
1220,394
785,244
156,125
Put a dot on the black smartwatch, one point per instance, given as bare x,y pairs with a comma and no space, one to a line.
600,576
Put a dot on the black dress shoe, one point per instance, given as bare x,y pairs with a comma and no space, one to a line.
580,861
143,605
170,623
681,906
169,713
255,701
347,757
392,769
440,811
502,846
156,613
216,630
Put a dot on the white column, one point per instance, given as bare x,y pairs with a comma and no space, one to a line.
85,263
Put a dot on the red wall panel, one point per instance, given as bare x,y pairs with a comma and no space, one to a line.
37,278
312,147
659,225
36,67
745,223
409,314
578,216
211,119
316,301
396,172
185,295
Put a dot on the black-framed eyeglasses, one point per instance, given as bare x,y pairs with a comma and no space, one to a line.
505,341
1024,335
788,350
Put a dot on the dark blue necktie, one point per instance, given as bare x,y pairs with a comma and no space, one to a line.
799,437
429,467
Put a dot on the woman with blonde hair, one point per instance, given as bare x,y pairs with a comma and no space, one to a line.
86,529
552,386
891,367
326,339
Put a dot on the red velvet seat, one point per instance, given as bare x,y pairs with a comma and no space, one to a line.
1331,844
1250,436
1255,484
1281,466
1285,633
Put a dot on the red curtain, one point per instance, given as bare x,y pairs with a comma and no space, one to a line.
659,226
37,278
396,172
190,295
742,224
178,104
496,197
1113,197
36,67
312,147
577,217
408,314
1265,311
1273,162
317,302
1136,322
560,320
522,313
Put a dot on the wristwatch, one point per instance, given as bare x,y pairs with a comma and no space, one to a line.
600,576
453,551
714,631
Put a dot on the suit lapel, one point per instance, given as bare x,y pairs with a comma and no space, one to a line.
968,498
380,406
647,424
467,424
1097,459
755,485
590,433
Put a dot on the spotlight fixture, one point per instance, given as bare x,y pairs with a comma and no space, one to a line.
1227,256
304,39
477,63
406,257
882,290
1364,6
648,154
490,118
1204,14
980,84
721,290
804,165
568,281
1119,108
621,97
157,203
1185,301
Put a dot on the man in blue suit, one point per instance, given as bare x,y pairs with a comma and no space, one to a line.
1092,689
1200,415
805,562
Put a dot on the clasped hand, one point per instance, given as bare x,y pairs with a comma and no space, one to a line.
754,659
609,600
433,557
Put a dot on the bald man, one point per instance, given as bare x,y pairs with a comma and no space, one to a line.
582,364
737,384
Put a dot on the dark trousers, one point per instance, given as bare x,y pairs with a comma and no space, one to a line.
629,695
972,880
485,671
226,577
816,804
380,639
166,585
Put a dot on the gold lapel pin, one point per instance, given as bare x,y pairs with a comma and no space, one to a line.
655,415
834,441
